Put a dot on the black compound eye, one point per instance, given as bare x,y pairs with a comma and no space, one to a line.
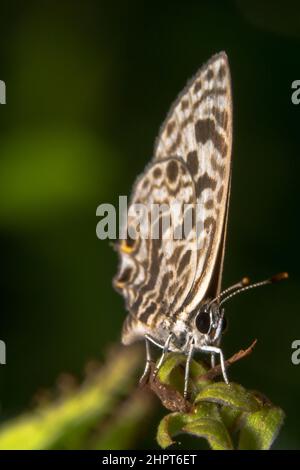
203,322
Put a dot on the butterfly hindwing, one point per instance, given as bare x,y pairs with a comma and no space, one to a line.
157,271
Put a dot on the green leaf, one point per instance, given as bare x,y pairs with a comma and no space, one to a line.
232,395
170,365
170,426
260,429
176,423
205,410
53,425
212,430
170,373
218,412
230,417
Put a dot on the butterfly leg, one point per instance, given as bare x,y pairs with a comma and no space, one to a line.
187,367
216,350
217,337
212,360
148,361
162,357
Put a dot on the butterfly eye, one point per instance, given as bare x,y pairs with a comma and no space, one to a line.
203,322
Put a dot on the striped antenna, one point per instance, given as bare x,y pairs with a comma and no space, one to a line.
276,278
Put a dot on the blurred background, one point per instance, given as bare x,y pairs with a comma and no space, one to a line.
88,86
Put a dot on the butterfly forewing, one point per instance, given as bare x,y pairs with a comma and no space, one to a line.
199,129
163,278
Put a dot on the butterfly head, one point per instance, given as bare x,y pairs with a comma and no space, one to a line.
210,322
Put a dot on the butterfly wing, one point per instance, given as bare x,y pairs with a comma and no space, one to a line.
198,128
158,259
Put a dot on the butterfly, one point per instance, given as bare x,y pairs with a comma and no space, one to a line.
172,284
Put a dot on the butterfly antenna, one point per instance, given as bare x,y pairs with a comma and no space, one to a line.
244,282
278,277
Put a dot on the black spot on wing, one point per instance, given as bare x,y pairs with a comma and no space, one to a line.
204,182
172,171
192,162
197,86
221,116
210,223
157,173
184,104
205,130
209,75
170,128
146,183
209,204
220,194
222,72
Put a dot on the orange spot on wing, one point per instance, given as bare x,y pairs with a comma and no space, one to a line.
126,248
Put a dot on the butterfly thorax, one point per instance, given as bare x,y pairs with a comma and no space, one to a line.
205,328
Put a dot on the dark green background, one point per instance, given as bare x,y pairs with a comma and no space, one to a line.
88,85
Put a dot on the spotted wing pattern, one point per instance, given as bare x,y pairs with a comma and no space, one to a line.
163,278
157,271
198,128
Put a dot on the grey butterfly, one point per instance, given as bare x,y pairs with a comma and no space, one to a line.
172,285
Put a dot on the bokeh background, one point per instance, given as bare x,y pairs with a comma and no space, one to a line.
88,85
